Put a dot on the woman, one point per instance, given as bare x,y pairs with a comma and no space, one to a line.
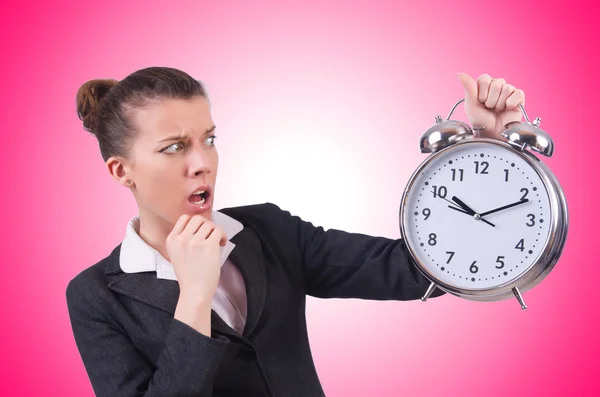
198,302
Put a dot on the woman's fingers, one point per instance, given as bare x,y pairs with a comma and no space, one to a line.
483,87
516,98
494,92
192,227
179,225
507,90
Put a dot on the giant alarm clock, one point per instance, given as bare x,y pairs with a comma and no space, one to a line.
484,219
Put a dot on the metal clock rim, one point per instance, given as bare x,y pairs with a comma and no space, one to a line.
545,261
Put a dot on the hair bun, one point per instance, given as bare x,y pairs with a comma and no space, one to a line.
89,97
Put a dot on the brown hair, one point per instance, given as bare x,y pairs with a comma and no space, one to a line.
104,105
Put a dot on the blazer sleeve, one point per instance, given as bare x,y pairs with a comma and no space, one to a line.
186,365
339,264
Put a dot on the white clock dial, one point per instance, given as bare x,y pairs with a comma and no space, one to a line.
457,248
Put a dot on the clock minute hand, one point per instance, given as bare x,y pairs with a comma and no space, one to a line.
505,207
463,205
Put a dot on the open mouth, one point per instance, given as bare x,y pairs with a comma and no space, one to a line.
200,197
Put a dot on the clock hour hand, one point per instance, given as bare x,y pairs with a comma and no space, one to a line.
463,205
505,207
462,210
470,211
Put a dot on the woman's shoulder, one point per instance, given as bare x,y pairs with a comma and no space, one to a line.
256,215
91,283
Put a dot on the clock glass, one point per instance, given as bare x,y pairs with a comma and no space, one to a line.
477,216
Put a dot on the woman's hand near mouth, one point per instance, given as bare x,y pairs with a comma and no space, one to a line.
194,249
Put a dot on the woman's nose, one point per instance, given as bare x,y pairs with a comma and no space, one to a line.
200,163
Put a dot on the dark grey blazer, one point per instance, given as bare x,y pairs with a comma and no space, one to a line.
131,345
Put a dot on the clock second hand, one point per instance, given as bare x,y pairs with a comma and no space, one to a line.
463,211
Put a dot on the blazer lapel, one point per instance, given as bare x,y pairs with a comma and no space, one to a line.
164,294
248,256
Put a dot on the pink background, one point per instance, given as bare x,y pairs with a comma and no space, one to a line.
322,96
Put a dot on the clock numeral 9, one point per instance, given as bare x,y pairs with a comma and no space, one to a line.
484,167
432,239
520,245
426,212
460,171
473,268
500,261
442,191
531,222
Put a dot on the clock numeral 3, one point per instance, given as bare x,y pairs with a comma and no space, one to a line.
442,191
500,261
520,245
531,222
484,167
473,268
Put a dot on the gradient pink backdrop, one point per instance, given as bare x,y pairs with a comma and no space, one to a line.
306,95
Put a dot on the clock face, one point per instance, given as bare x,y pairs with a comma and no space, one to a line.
482,246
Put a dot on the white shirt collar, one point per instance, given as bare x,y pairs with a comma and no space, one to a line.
137,256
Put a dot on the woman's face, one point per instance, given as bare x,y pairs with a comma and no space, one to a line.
174,156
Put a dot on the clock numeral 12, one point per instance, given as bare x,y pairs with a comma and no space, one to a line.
484,167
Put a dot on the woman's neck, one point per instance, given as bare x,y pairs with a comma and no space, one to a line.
154,232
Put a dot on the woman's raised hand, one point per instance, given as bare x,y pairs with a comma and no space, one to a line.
194,250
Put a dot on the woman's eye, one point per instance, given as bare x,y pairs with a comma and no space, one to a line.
211,140
170,146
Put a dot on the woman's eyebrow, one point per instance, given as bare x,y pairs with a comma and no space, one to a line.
183,136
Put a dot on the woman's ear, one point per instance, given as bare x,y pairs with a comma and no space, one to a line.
118,169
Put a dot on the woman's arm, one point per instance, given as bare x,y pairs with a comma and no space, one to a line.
339,264
186,366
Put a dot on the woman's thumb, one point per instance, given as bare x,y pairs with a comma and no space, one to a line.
469,84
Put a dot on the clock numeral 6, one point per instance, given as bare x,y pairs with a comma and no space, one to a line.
473,268
500,261
442,191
